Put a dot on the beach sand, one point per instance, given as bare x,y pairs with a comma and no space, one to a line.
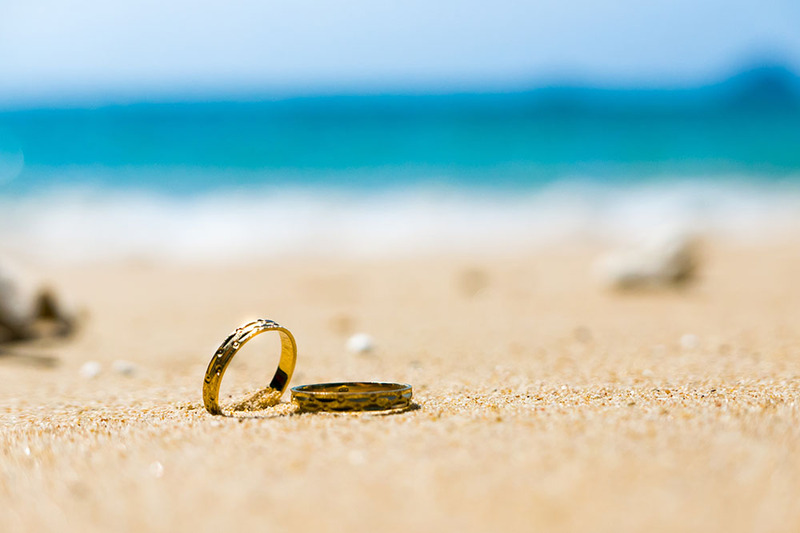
544,401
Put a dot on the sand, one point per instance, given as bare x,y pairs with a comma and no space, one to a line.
544,402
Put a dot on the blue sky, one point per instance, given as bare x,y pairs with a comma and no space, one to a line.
120,50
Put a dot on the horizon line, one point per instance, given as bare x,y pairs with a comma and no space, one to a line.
776,72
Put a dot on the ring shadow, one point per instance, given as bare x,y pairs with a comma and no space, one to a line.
272,412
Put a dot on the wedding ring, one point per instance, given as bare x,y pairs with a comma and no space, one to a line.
223,356
352,396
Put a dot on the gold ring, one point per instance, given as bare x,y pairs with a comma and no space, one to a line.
232,344
354,396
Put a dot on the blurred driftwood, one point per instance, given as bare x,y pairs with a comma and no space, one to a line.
30,310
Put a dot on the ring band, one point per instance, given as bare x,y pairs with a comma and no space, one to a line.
352,396
232,344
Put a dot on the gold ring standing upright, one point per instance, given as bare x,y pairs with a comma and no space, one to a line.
232,344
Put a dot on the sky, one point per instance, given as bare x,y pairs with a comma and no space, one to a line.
129,50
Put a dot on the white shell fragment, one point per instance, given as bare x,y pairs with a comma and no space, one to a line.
90,369
156,469
124,368
666,261
360,343
689,341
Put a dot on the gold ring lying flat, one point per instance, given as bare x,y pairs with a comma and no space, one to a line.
355,396
223,356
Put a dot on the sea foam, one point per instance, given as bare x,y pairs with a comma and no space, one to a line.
81,225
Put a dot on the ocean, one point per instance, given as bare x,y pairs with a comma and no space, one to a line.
388,174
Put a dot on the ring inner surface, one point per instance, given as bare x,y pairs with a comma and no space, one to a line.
351,387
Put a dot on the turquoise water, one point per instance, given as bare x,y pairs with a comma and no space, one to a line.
749,126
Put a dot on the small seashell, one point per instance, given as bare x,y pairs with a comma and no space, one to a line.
360,343
156,469
124,368
689,341
90,369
